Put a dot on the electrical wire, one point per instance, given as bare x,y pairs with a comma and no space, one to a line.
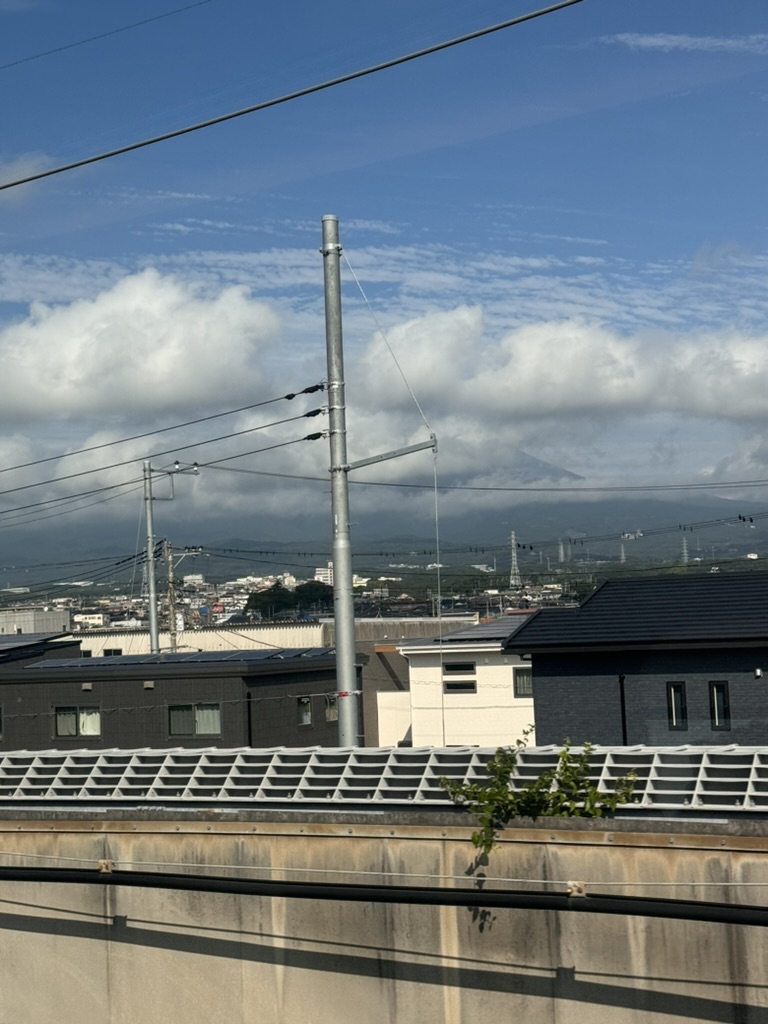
164,430
168,451
481,880
64,499
288,97
385,338
108,572
102,35
509,899
55,515
617,488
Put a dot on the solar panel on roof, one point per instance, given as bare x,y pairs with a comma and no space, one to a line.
255,655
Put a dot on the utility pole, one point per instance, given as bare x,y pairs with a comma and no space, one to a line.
172,637
154,634
343,604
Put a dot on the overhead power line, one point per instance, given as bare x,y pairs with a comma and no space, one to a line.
101,35
168,451
288,97
608,489
164,430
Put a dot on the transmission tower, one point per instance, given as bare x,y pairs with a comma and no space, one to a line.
514,570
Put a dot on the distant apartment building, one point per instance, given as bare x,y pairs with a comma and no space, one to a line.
325,574
90,620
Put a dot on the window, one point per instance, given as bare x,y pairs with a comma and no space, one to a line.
113,652
523,682
459,677
86,653
77,721
304,710
719,705
194,719
331,708
677,708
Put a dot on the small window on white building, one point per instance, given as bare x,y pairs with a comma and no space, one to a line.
459,677
523,682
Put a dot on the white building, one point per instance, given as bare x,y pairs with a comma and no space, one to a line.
90,620
465,689
48,619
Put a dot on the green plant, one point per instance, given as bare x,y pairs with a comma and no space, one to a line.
563,791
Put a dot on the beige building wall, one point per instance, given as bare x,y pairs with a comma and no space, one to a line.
394,716
440,715
136,641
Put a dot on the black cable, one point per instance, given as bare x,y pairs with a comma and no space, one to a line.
98,576
164,430
168,451
27,518
298,94
640,488
102,35
503,899
65,498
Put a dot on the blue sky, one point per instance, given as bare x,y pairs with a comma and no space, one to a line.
561,228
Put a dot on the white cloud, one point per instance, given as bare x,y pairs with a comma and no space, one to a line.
756,43
147,343
621,373
17,169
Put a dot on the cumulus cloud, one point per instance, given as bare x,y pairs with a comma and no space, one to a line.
147,343
563,385
619,374
560,369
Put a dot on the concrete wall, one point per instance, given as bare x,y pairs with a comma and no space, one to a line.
78,954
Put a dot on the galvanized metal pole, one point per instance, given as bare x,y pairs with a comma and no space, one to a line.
343,605
154,634
172,631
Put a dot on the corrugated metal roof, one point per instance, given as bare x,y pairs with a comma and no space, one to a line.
727,781
714,608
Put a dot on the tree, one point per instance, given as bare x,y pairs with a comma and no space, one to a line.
563,791
314,593
270,602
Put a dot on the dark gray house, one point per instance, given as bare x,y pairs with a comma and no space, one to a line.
254,698
662,661
18,649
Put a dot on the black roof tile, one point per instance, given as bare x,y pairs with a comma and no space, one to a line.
705,608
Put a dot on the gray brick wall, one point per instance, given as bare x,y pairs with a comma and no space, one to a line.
578,696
